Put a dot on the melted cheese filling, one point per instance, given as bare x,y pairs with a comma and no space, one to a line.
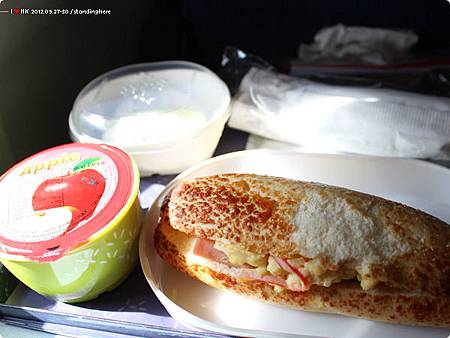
238,257
317,271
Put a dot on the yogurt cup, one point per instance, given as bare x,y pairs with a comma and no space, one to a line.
70,219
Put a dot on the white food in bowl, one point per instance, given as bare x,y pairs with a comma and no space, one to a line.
167,115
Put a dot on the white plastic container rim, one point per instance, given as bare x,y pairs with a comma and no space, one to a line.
221,112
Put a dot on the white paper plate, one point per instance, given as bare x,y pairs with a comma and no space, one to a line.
419,184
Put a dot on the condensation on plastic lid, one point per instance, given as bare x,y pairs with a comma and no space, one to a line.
148,104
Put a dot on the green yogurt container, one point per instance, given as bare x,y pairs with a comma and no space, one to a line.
70,220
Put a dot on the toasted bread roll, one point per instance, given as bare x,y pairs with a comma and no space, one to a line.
310,246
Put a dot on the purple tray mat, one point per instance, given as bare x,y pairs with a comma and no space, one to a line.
131,309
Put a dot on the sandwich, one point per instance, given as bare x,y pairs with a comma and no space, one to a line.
309,246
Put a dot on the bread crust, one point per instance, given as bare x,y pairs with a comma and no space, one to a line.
261,214
345,298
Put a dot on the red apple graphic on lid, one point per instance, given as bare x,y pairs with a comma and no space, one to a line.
80,190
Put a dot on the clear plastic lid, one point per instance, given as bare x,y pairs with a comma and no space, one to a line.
147,105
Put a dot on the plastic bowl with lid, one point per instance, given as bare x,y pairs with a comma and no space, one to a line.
167,115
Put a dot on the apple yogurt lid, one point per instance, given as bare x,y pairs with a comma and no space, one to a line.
55,200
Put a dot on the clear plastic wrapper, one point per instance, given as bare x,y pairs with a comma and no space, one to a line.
424,76
339,118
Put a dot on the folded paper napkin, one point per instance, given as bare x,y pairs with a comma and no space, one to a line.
331,118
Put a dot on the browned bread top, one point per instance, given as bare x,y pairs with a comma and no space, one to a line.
400,246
